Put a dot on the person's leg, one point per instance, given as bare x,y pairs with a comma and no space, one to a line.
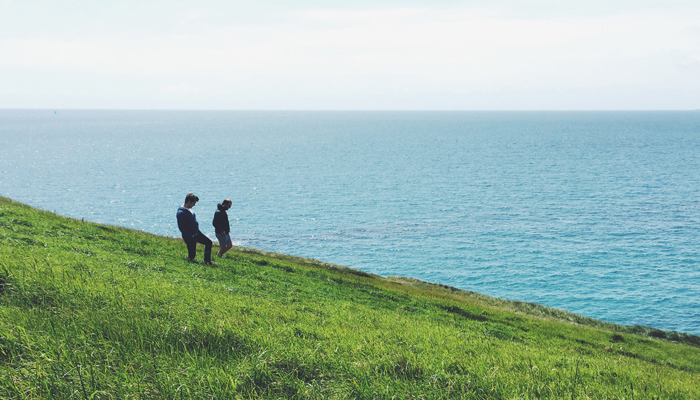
201,238
225,243
191,249
222,244
227,248
224,249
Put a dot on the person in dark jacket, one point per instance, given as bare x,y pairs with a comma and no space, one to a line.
187,222
222,227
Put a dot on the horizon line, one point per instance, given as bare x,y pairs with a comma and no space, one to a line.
343,110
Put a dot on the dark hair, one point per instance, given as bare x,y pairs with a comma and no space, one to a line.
190,198
227,201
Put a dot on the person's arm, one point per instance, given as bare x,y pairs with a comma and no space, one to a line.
227,226
217,222
187,224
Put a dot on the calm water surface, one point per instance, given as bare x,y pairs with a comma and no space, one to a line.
597,213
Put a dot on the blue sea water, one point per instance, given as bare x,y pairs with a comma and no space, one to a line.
597,213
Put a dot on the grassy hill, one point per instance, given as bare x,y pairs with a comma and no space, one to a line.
90,311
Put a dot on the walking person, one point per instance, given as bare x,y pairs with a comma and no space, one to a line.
187,222
222,227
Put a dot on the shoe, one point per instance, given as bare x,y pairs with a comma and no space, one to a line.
192,260
210,263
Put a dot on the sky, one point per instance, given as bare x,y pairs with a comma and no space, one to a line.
351,55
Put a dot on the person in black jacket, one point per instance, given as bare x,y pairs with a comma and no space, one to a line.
187,222
222,227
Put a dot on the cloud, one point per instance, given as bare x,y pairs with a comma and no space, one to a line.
361,39
413,51
180,88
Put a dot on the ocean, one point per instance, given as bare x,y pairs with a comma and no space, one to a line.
597,213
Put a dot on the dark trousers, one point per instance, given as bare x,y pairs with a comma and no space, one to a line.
192,246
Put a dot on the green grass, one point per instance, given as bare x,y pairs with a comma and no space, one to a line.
90,311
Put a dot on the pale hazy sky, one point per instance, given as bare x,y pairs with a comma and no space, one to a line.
368,55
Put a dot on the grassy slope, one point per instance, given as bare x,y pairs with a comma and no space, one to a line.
94,311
